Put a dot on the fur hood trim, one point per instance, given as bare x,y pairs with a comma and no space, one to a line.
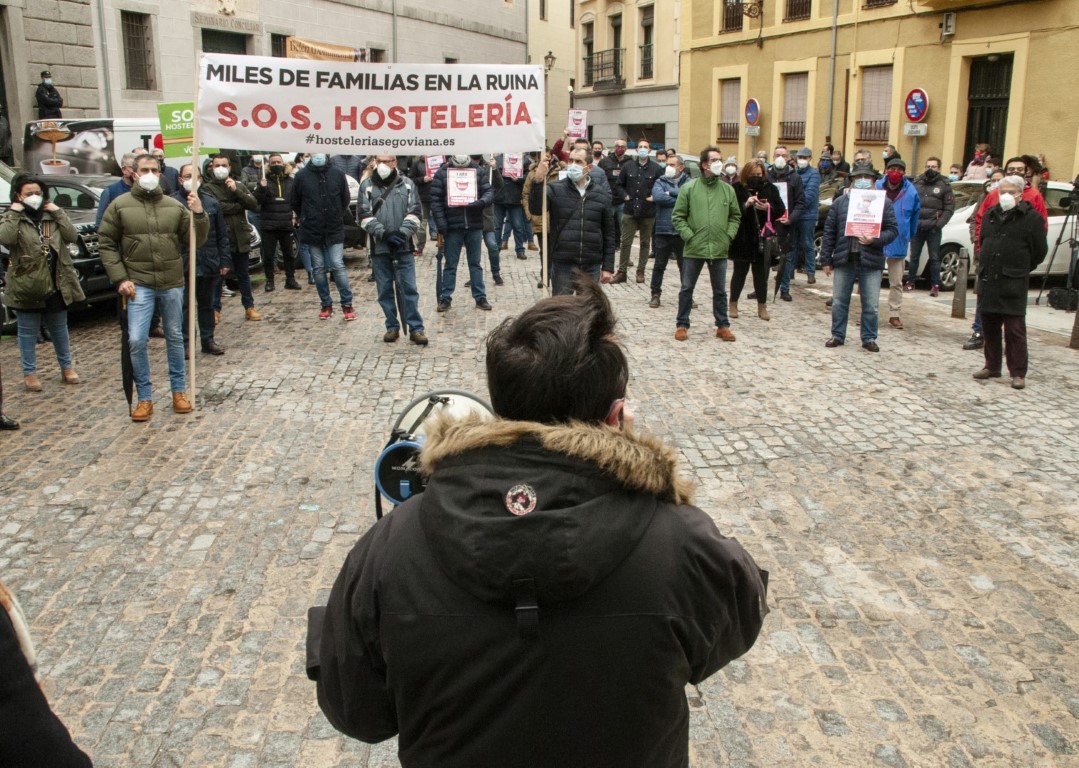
638,461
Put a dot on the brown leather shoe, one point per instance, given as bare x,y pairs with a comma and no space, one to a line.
640,275
681,334
68,376
252,314
217,317
212,348
532,247
180,403
619,277
724,334
732,310
143,411
985,373
896,323
32,383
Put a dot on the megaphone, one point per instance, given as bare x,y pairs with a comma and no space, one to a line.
397,469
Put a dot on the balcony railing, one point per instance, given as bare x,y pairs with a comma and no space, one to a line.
647,61
792,131
603,69
798,9
878,3
873,130
727,132
732,15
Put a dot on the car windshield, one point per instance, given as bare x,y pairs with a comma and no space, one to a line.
967,194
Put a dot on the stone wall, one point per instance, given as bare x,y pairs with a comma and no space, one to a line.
60,38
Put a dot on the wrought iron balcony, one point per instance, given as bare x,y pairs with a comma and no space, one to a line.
873,130
733,13
603,69
647,62
798,10
792,131
878,3
727,132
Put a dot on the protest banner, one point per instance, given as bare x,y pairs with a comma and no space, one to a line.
513,166
577,124
298,48
865,213
178,129
356,108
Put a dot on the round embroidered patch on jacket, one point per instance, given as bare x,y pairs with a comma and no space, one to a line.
521,499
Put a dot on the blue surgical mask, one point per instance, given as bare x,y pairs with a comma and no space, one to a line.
825,165
953,177
642,152
48,81
318,160
863,183
574,173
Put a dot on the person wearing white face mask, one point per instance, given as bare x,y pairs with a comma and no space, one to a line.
235,201
789,185
706,216
146,227
390,213
804,230
668,242
320,201
461,226
634,186
1012,243
212,261
41,280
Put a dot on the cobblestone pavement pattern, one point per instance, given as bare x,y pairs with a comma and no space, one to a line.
920,529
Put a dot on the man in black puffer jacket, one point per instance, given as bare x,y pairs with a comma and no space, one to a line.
461,226
582,225
545,601
639,212
320,199
274,195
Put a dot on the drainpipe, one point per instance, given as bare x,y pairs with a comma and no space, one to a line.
104,56
831,75
528,58
394,11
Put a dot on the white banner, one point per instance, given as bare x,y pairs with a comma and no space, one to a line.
298,105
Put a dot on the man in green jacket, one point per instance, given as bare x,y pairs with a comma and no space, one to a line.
707,216
140,248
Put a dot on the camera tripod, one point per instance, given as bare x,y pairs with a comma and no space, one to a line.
1070,221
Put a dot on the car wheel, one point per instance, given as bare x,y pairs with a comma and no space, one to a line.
7,317
949,267
818,241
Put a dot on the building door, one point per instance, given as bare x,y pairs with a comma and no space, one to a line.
987,97
215,41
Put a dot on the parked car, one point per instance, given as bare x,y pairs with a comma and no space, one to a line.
955,242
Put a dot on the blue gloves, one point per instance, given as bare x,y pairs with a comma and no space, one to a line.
396,240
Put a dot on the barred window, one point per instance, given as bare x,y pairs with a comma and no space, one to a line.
138,51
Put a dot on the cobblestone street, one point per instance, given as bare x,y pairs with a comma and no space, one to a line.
920,527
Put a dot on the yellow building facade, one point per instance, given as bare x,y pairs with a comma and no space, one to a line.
1000,72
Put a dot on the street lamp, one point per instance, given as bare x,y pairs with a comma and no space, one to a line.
548,65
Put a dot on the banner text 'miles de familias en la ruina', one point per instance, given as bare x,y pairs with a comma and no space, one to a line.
298,105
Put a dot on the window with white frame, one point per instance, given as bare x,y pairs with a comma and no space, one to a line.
875,115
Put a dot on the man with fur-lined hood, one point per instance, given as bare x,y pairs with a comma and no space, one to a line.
547,598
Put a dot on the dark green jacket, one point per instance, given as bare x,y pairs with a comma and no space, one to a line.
140,238
706,215
234,204
29,278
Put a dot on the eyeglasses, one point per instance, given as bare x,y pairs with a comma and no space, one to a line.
1019,171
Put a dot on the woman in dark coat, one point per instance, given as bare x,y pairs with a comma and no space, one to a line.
1012,244
761,208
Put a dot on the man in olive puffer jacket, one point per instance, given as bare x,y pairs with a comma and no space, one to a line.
140,248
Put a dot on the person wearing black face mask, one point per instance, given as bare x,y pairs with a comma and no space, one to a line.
761,207
938,205
274,195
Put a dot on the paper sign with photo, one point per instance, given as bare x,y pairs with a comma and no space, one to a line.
782,187
865,213
513,166
577,124
462,186
433,163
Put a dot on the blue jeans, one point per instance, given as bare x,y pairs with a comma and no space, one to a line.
490,239
932,240
562,275
330,257
304,253
512,219
802,233
402,265
29,323
976,327
843,279
140,310
717,274
472,240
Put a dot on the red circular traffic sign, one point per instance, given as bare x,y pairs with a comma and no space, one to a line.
753,111
916,105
